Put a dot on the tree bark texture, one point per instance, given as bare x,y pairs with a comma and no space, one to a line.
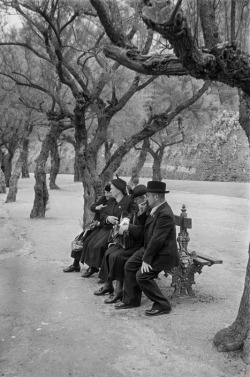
13,184
158,156
2,182
208,23
55,165
41,190
25,168
143,155
7,163
134,179
77,177
237,336
86,163
244,113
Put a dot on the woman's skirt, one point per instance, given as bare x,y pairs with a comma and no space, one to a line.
96,248
113,262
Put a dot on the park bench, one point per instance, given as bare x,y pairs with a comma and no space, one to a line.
190,262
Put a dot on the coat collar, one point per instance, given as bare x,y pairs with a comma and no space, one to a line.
123,203
152,217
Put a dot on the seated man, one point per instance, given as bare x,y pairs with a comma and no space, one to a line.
158,253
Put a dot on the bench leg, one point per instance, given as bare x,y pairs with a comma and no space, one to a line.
183,279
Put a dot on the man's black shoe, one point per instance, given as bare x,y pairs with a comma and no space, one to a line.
113,299
72,268
90,271
103,290
121,305
151,312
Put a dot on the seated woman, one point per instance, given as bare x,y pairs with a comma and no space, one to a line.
116,256
94,251
96,208
101,203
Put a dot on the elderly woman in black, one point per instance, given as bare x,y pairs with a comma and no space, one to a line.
96,208
119,203
116,256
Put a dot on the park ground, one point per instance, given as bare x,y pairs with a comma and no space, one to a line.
52,325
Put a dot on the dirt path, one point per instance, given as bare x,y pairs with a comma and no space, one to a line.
52,325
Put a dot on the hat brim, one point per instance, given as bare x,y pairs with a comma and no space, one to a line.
157,191
138,195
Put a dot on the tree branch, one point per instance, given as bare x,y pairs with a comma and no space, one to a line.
156,123
112,26
222,62
27,47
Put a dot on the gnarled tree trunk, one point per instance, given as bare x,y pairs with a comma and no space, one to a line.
17,171
2,182
143,155
7,163
244,113
157,165
55,165
25,168
41,190
237,335
77,177
136,170
86,155
134,179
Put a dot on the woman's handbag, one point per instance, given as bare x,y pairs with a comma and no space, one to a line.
124,240
77,243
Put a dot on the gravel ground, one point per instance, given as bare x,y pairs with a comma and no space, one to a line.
52,325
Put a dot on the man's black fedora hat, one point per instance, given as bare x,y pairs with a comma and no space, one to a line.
156,186
139,190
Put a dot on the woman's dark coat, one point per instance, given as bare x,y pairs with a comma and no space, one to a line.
115,257
98,245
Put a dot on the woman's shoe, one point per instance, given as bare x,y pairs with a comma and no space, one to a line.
103,290
72,268
89,272
113,299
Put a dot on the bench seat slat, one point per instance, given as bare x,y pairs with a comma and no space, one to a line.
208,258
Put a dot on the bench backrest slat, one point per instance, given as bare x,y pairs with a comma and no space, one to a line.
186,222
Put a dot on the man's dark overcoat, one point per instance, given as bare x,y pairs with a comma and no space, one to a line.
160,239
159,251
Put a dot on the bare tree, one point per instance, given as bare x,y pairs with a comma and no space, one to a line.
162,141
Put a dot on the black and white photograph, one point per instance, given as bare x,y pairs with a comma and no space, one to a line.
125,188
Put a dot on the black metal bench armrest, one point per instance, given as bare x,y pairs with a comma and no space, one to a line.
209,259
201,262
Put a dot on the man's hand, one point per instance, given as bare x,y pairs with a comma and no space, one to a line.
112,220
99,207
145,267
